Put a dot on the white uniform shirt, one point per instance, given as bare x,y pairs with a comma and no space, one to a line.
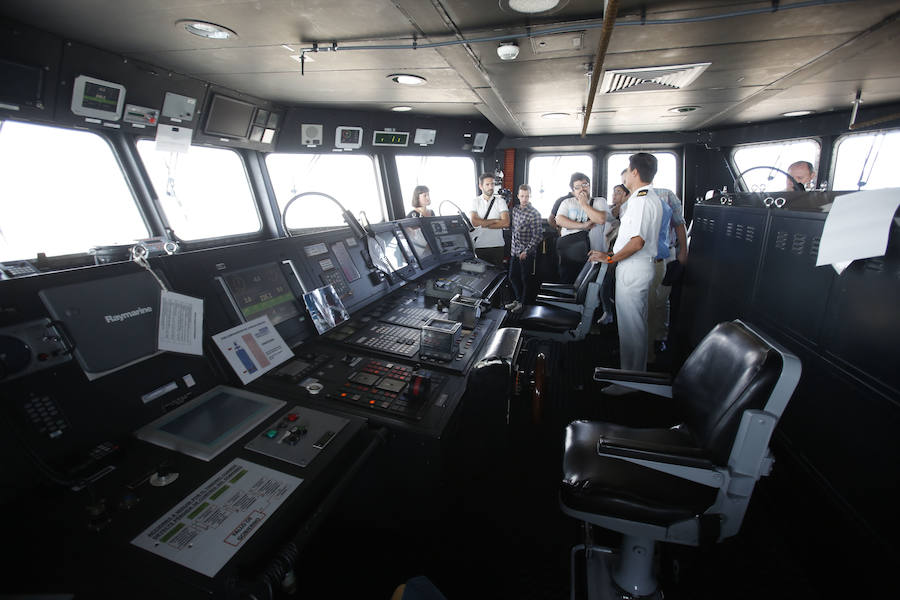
643,218
484,237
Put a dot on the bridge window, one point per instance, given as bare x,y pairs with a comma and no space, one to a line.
350,179
203,193
764,166
447,178
62,192
548,176
666,172
867,161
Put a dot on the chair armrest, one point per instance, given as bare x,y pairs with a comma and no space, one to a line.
546,298
698,470
558,287
659,384
648,450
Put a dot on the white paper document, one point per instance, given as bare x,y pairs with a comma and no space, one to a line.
180,323
209,526
253,348
173,138
857,226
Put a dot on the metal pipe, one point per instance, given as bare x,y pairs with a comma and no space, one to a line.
609,21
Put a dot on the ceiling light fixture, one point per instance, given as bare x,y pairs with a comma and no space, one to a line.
206,30
554,115
405,79
531,7
683,109
401,108
508,50
797,113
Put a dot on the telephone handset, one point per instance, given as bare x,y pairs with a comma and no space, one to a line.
17,268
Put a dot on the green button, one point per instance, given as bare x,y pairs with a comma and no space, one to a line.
271,433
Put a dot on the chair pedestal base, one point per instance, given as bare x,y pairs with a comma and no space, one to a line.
601,568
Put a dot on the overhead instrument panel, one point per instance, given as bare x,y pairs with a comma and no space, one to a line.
348,138
97,99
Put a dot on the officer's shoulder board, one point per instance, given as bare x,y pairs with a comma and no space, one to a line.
642,193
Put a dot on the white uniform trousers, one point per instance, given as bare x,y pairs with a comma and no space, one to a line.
633,277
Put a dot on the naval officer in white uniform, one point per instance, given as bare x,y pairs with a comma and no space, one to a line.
635,251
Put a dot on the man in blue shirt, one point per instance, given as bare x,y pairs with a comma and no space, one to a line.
672,244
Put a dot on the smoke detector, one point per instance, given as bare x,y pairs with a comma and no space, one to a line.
508,50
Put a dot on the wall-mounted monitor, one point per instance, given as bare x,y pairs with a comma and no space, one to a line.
22,84
348,138
325,308
229,117
390,138
97,99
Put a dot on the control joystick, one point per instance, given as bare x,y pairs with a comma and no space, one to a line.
163,476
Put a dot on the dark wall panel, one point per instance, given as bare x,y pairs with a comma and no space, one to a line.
793,292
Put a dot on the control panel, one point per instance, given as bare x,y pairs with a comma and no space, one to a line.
298,435
368,383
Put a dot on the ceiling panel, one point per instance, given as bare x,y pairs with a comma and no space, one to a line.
762,64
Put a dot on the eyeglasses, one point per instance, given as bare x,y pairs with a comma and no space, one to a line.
581,186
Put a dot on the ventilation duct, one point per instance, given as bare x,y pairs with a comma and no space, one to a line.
646,79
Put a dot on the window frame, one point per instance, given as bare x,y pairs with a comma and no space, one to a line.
836,145
134,185
592,154
733,163
210,242
679,167
405,200
378,173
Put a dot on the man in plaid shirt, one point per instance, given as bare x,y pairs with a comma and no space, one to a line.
527,233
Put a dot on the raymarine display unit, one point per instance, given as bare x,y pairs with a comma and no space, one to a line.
98,99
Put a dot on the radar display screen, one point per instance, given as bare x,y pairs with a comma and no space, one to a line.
263,290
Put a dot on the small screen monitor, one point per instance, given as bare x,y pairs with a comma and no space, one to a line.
418,241
229,117
452,243
262,290
210,423
325,308
392,251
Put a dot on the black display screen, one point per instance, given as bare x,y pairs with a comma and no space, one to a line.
229,117
392,252
344,260
214,418
418,240
262,291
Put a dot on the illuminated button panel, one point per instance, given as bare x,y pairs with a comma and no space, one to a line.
388,388
298,435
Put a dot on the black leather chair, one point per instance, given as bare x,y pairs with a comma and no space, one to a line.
684,483
564,312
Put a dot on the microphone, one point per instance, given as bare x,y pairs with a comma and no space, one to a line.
349,219
461,214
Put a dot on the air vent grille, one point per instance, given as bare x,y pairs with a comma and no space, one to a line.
647,79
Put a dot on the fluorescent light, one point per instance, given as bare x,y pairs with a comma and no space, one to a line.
401,108
554,115
406,79
532,6
207,30
797,113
